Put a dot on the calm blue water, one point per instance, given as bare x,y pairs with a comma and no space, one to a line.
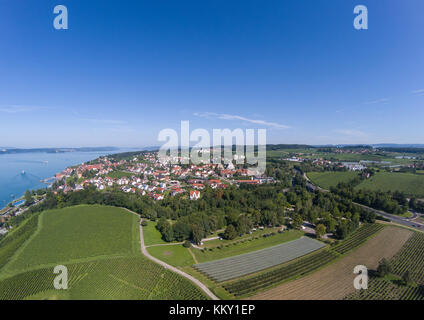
37,166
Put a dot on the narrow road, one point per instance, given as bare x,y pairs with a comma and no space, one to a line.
169,267
397,219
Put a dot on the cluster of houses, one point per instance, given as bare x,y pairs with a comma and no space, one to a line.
147,175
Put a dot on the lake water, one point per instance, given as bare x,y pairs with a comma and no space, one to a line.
37,166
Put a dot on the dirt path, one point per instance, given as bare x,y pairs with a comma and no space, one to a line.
169,267
336,281
194,257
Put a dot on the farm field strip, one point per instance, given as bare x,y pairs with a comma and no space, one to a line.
302,266
229,268
409,183
336,280
329,179
358,238
115,278
382,289
11,244
298,268
411,258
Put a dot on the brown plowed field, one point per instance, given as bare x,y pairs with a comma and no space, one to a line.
336,281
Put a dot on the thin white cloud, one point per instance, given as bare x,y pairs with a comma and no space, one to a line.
20,109
378,101
418,92
351,133
104,121
224,116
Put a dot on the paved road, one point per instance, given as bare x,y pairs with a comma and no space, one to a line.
404,221
169,267
400,220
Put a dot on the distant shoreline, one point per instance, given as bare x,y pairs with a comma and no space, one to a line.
56,150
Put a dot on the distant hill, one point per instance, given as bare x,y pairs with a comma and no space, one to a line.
288,146
394,145
379,145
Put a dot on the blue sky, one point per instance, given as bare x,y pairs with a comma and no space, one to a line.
124,70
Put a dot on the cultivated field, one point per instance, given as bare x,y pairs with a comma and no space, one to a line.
336,281
410,184
101,249
114,278
234,267
385,289
410,258
302,266
16,239
329,179
76,233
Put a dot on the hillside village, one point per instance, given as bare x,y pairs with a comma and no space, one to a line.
146,175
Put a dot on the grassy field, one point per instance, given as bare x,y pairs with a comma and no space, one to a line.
331,178
411,184
175,255
99,246
151,234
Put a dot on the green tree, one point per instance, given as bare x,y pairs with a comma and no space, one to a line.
196,233
297,221
383,268
182,231
230,232
186,244
320,230
28,198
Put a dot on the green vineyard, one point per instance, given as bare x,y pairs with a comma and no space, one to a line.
13,241
411,258
382,289
303,265
358,238
116,278
300,267
100,247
